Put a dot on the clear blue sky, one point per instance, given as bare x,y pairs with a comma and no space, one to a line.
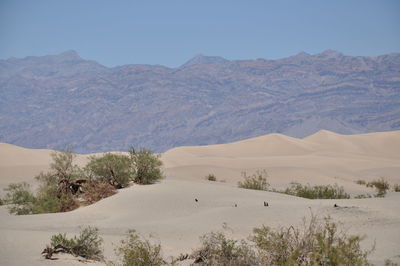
170,32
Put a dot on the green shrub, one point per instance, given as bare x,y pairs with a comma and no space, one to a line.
62,166
316,192
363,196
146,166
361,182
1,202
136,251
211,177
114,169
217,249
396,188
87,245
257,181
20,198
381,186
316,244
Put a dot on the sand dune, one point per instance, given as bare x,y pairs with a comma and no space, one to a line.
167,210
322,158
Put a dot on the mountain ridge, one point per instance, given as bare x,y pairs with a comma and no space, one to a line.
66,100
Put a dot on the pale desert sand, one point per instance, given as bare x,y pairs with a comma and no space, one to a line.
168,212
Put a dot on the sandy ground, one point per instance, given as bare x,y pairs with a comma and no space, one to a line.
169,214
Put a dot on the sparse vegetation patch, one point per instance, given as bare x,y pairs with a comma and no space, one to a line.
316,192
87,245
361,182
381,186
257,181
211,177
146,166
135,250
66,186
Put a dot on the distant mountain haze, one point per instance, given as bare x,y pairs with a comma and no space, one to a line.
63,100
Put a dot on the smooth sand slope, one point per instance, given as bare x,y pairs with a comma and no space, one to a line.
323,158
169,213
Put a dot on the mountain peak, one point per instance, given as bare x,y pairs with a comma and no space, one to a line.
69,55
203,59
330,53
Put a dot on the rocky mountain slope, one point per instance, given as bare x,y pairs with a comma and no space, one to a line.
59,100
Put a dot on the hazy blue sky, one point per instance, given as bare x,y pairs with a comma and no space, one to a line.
170,32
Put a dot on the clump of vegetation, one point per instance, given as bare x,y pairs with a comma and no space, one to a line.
1,202
211,177
316,192
94,191
87,245
146,166
66,186
363,196
20,198
115,169
361,182
257,181
218,249
318,243
135,250
396,188
381,186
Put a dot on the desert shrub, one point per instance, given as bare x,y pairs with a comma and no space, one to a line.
257,181
1,202
146,166
389,262
316,192
211,177
94,191
361,182
62,166
363,196
396,188
137,251
20,198
381,186
48,202
218,249
114,169
318,243
87,245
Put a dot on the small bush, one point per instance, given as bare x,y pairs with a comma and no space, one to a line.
381,185
316,192
363,196
87,245
136,251
316,244
217,249
1,202
94,191
146,166
361,182
114,169
396,188
257,181
20,198
211,177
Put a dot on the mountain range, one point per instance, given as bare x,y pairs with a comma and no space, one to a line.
63,100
